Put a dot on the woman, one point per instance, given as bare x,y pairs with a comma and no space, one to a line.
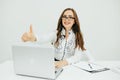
67,39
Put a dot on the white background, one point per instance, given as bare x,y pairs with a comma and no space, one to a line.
99,19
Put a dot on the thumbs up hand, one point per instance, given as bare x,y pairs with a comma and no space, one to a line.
29,36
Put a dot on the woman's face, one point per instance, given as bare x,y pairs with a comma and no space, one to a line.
68,19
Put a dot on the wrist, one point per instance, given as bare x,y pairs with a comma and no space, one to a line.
33,39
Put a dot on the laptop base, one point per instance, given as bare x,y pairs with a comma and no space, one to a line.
56,74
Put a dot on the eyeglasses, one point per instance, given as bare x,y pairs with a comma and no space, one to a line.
69,17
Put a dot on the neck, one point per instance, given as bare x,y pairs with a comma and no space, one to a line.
67,29
67,33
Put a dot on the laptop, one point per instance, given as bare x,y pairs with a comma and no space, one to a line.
34,61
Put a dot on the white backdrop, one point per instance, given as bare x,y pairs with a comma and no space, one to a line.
100,23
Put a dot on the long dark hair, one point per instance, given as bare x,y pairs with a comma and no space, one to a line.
79,42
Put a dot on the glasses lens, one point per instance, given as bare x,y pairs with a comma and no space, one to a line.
69,18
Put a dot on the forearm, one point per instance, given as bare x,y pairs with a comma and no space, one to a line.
89,56
78,56
46,38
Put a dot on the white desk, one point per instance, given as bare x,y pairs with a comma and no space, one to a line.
69,73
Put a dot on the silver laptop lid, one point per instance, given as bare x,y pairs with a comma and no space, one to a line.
34,60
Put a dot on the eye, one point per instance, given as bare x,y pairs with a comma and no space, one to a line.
71,17
64,16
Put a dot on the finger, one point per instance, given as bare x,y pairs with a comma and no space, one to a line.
31,30
25,37
55,66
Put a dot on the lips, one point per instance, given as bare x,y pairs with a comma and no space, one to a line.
67,23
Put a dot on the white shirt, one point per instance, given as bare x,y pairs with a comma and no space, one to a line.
66,49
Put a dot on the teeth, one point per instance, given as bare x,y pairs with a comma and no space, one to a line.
66,23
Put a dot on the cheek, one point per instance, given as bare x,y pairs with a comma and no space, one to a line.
72,23
63,23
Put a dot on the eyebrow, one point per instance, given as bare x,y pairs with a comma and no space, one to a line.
68,15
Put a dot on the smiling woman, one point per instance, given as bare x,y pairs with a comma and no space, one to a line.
68,19
67,39
99,22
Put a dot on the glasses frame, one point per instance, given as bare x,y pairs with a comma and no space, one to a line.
70,18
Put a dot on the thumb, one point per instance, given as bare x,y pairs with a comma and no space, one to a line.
31,30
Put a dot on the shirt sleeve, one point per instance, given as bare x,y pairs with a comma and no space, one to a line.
89,56
46,38
78,55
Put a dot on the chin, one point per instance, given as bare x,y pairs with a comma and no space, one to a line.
67,26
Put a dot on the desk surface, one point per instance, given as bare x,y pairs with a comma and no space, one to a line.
69,73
